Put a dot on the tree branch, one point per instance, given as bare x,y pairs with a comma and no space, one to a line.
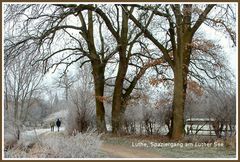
202,18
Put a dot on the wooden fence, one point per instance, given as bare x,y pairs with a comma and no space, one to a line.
203,126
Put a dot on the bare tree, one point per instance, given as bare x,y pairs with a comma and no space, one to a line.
61,36
128,39
52,100
221,107
65,81
181,24
81,113
22,85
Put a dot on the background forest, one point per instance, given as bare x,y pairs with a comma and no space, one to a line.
119,69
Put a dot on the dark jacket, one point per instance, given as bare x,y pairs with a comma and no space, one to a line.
58,123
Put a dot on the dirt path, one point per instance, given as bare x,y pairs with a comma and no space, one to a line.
121,151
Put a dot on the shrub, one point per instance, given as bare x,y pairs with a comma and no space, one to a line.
81,112
79,146
57,146
9,141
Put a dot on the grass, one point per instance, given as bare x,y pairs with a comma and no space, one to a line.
192,152
56,145
48,142
180,149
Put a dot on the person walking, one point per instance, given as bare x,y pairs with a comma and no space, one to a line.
58,123
52,124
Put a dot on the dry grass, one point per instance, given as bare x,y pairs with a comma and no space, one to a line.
57,145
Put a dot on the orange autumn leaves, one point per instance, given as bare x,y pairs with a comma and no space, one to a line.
195,88
103,98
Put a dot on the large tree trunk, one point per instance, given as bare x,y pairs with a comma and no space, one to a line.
117,108
180,86
117,117
116,112
178,105
98,75
117,104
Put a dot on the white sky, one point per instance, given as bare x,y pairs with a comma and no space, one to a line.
225,42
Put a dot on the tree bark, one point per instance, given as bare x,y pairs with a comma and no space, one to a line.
182,54
117,104
98,66
99,80
178,105
180,71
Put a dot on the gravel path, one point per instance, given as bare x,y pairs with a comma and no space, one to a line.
120,151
